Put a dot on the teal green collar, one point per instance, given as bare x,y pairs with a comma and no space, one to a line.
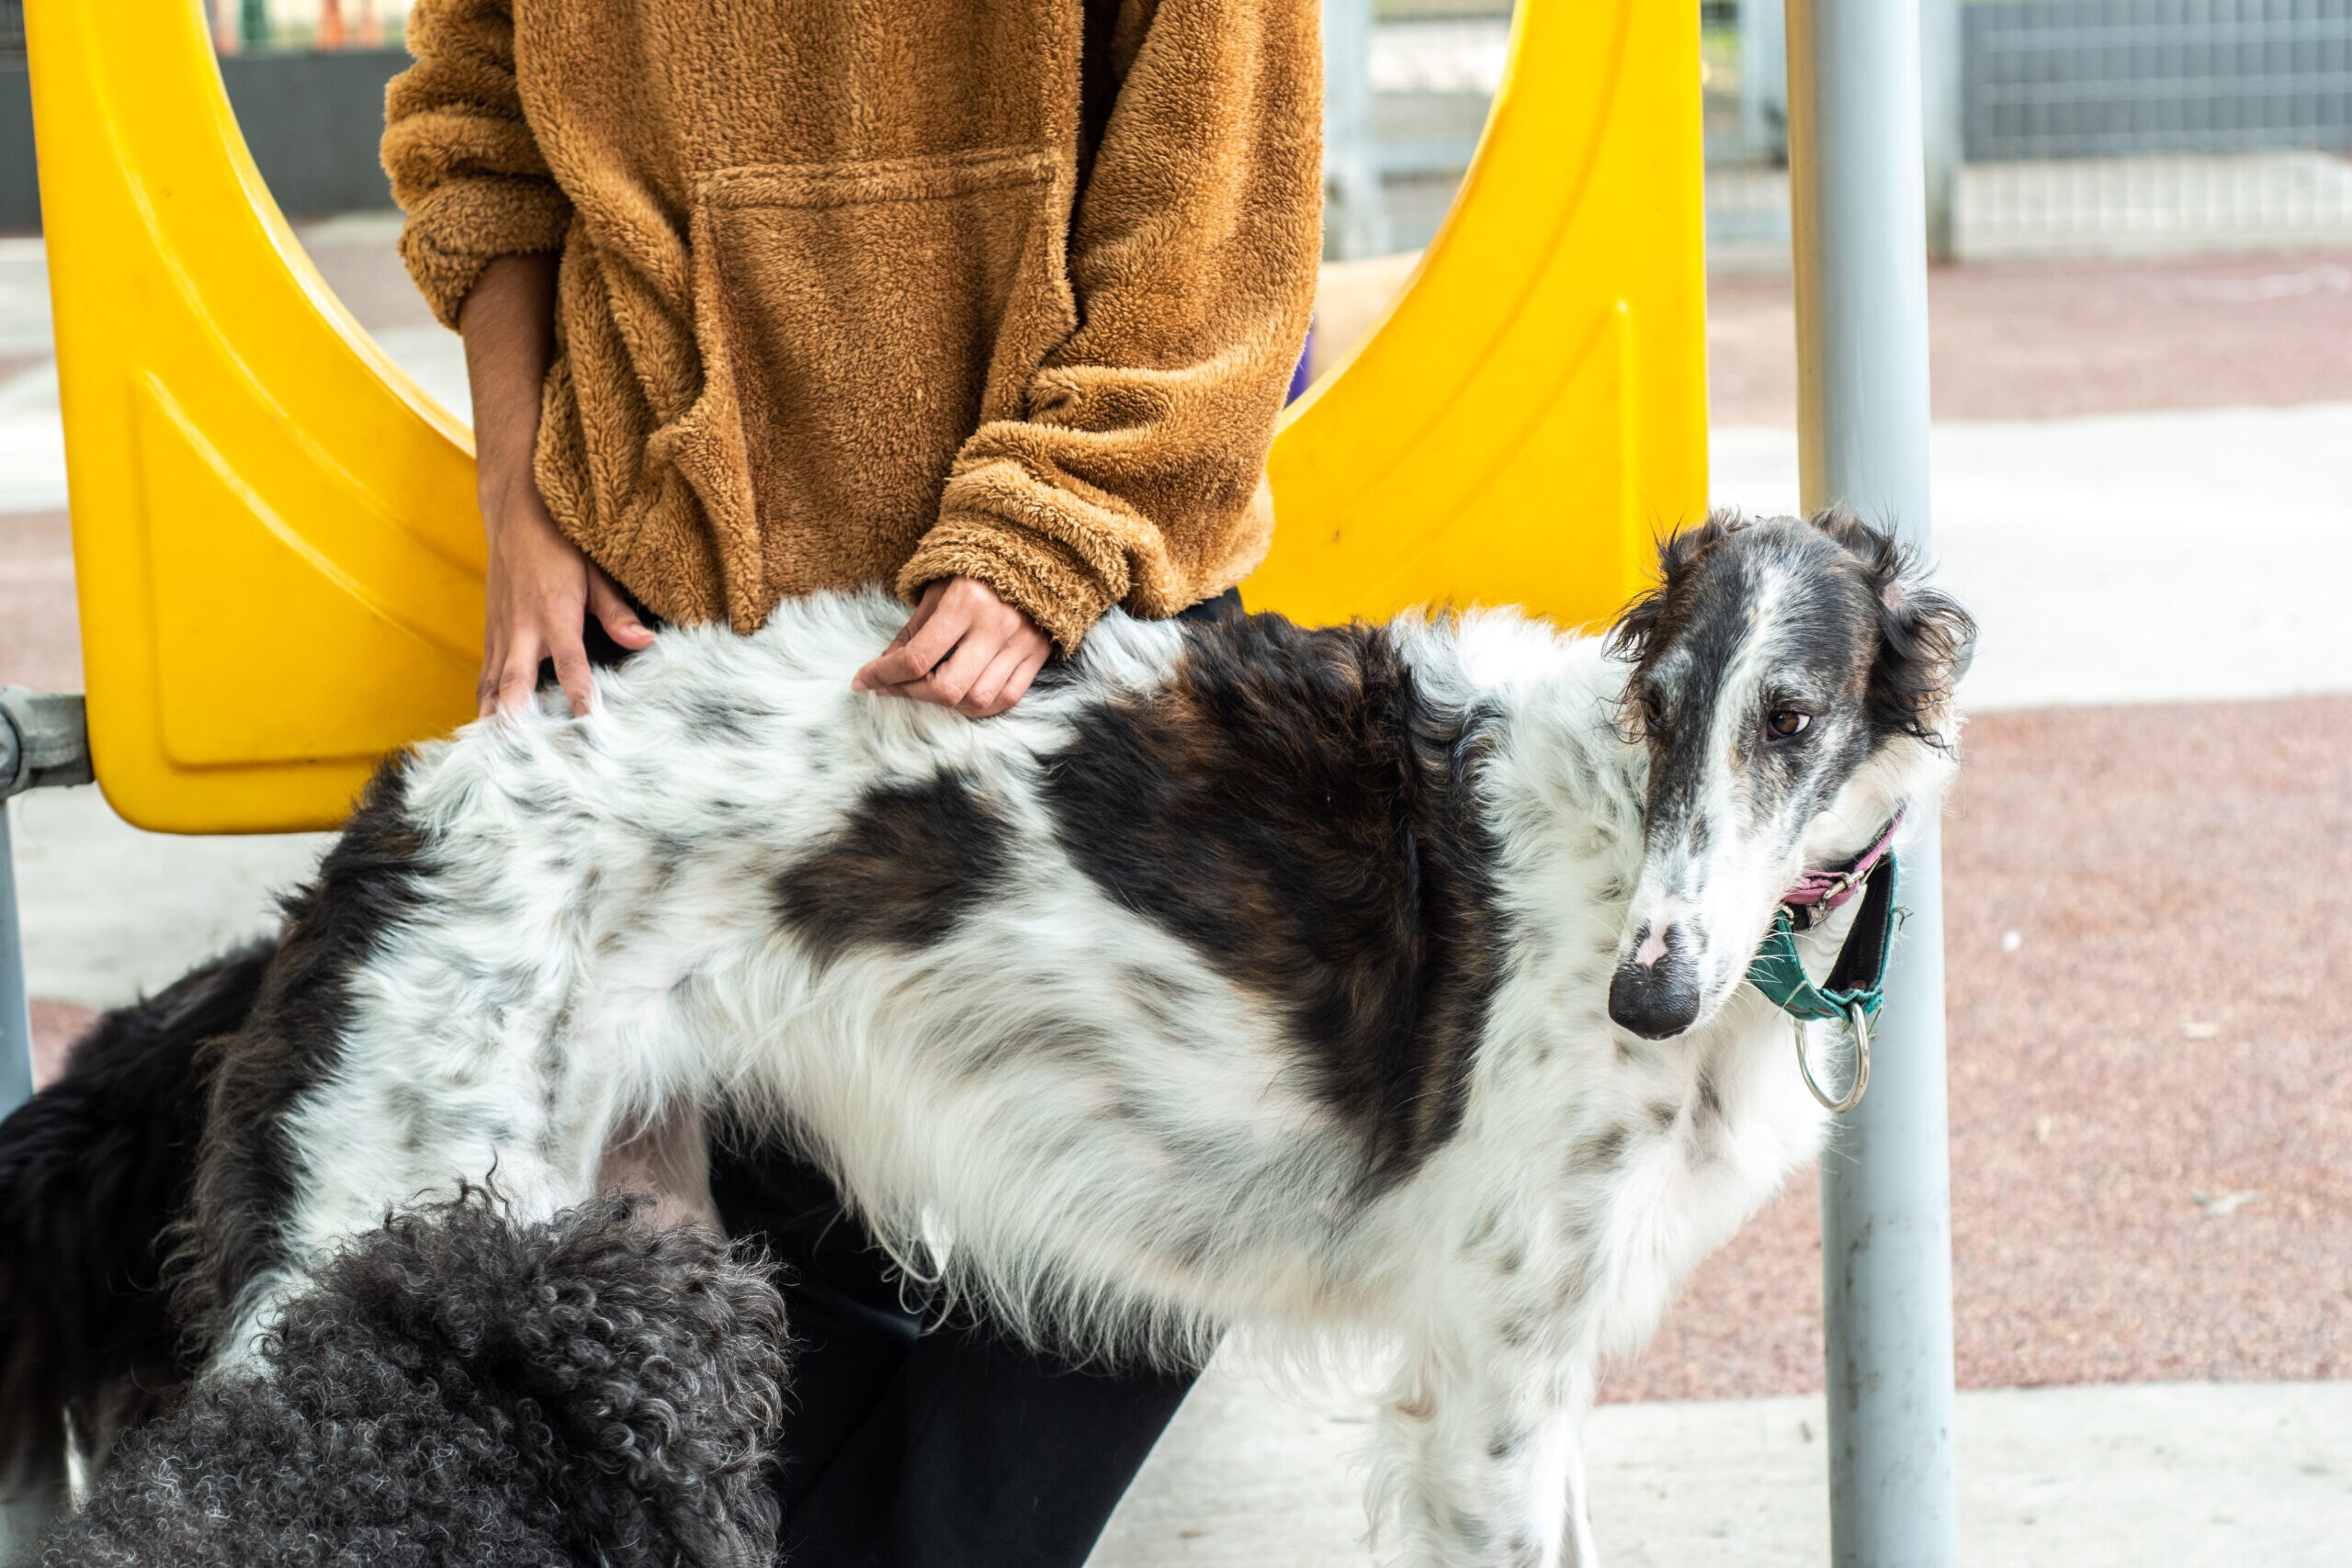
1855,985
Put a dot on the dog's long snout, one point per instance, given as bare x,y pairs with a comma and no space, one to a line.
1654,993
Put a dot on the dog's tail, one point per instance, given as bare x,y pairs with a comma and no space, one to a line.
91,1169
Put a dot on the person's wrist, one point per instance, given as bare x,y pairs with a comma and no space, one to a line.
504,505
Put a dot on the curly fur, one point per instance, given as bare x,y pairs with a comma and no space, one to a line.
458,1389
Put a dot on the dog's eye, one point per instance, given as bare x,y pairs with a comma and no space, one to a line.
1786,722
1652,711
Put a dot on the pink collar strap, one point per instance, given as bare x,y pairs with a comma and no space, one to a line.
1817,893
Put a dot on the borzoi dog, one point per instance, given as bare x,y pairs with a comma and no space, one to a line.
1376,980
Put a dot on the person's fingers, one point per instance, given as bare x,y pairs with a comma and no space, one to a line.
924,607
953,676
981,700
572,670
1023,678
519,675
493,664
940,633
613,613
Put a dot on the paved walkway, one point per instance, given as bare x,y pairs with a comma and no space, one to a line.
2221,1475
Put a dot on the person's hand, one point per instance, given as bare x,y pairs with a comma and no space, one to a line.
542,590
963,647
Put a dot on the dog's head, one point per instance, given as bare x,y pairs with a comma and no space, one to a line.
1791,680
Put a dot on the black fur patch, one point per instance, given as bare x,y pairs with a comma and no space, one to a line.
367,886
91,1169
912,859
1295,809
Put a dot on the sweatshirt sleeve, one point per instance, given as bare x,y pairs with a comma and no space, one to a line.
463,164
1135,475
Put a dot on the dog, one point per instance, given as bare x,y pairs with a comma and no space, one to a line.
455,1389
1375,982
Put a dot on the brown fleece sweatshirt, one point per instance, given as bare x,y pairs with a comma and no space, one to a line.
887,290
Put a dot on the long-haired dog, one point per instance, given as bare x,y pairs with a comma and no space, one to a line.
1381,981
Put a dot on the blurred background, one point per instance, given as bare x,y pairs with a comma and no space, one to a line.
2141,221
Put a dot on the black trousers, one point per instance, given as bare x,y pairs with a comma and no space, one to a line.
949,1449
903,1448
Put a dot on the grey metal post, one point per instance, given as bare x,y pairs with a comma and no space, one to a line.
1356,223
1856,213
44,742
1941,122
1763,80
15,1014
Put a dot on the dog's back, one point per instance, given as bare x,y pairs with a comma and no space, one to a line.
92,1171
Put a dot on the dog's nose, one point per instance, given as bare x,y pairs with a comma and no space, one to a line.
1655,993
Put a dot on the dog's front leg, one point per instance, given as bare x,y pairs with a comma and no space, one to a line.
1483,1457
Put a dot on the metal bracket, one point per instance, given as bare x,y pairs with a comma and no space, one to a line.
44,740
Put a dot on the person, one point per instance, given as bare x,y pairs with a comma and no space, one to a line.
994,302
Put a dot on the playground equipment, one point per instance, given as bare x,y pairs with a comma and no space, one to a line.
278,554
280,559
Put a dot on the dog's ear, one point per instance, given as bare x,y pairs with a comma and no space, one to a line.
1925,640
1638,626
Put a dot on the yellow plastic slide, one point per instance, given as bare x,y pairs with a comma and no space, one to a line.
278,551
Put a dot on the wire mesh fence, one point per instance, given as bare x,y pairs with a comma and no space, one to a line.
2086,126
2107,78
2102,126
12,30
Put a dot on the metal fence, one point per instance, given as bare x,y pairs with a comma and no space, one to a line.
2104,126
2103,78
12,30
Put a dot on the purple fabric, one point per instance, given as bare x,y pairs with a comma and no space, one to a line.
1299,379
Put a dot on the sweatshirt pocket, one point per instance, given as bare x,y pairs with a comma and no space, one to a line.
870,316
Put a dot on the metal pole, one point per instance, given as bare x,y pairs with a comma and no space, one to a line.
16,1011
1763,81
1356,224
1857,201
1941,122
44,744
23,1515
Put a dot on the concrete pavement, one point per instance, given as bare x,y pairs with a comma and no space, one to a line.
2218,1475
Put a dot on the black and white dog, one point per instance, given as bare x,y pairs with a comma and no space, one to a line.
1380,982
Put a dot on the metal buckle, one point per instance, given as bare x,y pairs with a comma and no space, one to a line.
1859,1022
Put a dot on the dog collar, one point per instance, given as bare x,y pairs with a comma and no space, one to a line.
1818,894
1856,986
